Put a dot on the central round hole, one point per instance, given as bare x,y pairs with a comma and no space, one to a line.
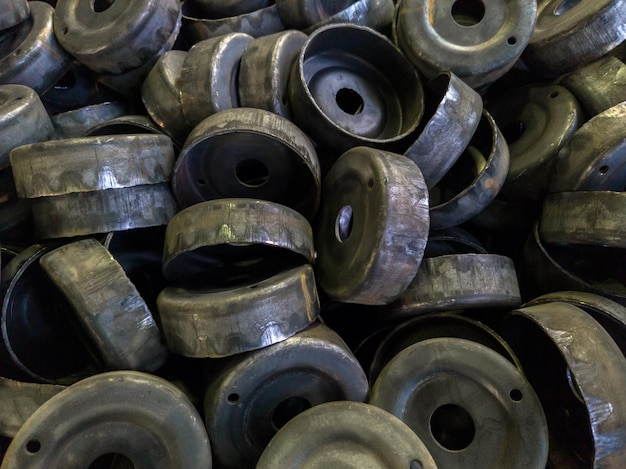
251,173
112,461
513,131
468,12
565,6
101,5
452,426
343,224
349,101
288,409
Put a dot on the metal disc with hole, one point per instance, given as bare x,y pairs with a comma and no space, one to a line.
478,41
372,227
75,123
208,78
579,374
454,111
107,304
591,160
536,121
264,71
343,94
120,419
115,37
249,314
14,12
346,434
30,53
253,395
474,180
250,153
469,405
375,14
235,236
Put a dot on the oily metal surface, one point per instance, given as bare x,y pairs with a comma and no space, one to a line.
107,304
372,228
250,153
77,122
469,405
254,394
249,315
346,434
14,12
231,237
579,374
453,110
375,14
143,418
479,42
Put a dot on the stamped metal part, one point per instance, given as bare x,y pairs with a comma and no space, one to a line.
226,8
372,228
125,125
113,417
348,434
264,71
14,12
249,315
250,153
77,122
30,53
469,405
591,160
115,37
572,33
343,93
454,110
253,395
107,305
452,241
375,14
474,180
23,120
300,14
208,78
536,122
478,41
579,375
225,237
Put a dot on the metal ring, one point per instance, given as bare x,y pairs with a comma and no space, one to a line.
132,124
75,123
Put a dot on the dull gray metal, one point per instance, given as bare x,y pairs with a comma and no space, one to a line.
14,12
132,124
77,122
375,14
226,8
300,14
452,241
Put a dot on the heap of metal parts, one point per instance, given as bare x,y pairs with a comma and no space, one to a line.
312,233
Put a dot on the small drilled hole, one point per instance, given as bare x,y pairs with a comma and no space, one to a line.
251,173
343,224
511,41
468,12
112,460
604,169
101,5
370,184
33,446
554,94
516,395
202,182
453,427
565,6
233,398
288,409
349,101
64,30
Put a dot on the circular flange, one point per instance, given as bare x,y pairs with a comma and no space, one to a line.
254,394
346,434
225,238
467,403
478,41
14,12
372,227
247,316
124,416
375,14
77,122
343,94
248,153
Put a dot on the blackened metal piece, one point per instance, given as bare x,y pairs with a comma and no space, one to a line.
14,12
372,227
253,395
143,420
251,153
453,393
346,433
77,122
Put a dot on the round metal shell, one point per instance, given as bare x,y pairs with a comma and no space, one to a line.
467,403
372,227
346,434
454,109
208,78
452,241
235,236
584,218
125,125
486,162
226,8
254,394
264,71
478,42
77,122
107,304
14,12
343,94
249,153
570,33
23,120
591,160
579,374
248,316
300,14
30,53
142,418
59,167
375,14
115,37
